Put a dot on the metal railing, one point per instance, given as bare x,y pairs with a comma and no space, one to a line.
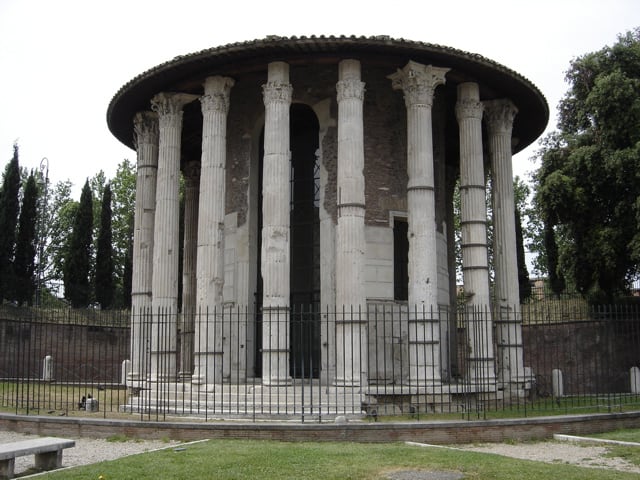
314,364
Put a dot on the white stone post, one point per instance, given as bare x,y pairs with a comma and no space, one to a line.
634,380
351,318
473,221
210,257
47,368
499,115
124,374
191,176
146,138
557,383
418,82
276,261
165,252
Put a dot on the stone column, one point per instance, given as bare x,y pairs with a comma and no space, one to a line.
275,227
351,302
418,83
191,176
210,268
473,222
145,126
165,252
499,115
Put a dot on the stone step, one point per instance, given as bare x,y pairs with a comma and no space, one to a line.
226,410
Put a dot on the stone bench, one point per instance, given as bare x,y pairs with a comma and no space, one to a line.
47,451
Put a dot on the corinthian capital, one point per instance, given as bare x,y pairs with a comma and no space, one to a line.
145,128
170,103
499,115
216,94
350,89
277,92
418,82
469,108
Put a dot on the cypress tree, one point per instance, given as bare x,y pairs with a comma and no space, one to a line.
9,208
24,263
523,273
126,279
78,257
104,280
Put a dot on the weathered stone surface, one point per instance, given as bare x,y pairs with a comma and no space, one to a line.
380,156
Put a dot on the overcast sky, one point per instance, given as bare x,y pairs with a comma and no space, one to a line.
63,60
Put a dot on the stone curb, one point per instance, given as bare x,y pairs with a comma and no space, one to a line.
573,438
435,432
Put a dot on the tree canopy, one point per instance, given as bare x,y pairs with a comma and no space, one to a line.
123,188
24,263
9,211
104,281
588,183
77,264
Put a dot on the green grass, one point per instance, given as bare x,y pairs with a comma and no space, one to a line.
629,435
583,405
238,459
629,453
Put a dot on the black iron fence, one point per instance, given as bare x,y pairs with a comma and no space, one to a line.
315,364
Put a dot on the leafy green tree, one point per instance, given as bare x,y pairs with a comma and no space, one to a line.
77,265
588,183
58,218
524,284
127,277
9,208
521,194
24,263
525,233
123,187
97,185
104,281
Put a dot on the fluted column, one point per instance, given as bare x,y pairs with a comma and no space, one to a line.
351,332
499,116
191,177
473,222
418,82
145,126
165,252
210,266
276,226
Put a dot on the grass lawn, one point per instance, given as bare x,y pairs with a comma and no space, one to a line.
630,435
245,459
630,453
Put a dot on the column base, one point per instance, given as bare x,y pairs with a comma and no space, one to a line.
277,382
348,383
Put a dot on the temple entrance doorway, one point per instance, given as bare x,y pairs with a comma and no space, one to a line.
304,322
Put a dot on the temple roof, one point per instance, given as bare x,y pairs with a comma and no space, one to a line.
186,73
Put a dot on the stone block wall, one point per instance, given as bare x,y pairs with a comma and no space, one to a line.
81,353
594,356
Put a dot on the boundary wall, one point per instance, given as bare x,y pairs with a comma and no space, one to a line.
436,432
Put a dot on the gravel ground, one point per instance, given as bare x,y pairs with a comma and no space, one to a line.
90,450
87,450
558,452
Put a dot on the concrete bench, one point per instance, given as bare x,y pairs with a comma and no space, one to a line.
47,451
